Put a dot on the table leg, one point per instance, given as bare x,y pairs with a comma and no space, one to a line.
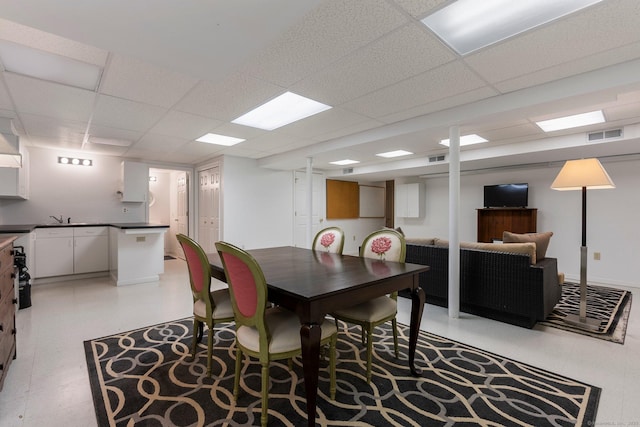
310,335
417,305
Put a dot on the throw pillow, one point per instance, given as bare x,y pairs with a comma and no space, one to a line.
540,239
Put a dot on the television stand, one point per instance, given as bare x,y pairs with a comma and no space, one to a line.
493,221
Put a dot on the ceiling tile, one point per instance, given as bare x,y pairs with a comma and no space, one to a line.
163,143
402,54
47,127
125,114
142,82
35,96
325,122
419,8
184,125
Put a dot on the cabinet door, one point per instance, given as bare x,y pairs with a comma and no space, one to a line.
135,181
54,256
91,254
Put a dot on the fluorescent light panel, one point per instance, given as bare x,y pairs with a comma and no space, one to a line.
213,138
466,140
396,153
286,108
574,121
344,162
469,25
48,66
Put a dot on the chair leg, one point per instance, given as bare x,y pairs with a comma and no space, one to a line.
265,395
194,344
236,380
332,367
209,349
369,351
200,330
394,326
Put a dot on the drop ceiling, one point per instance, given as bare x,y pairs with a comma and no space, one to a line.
173,71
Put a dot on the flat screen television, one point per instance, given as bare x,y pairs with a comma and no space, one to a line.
506,196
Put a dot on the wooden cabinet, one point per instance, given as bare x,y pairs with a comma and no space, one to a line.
493,221
14,182
408,200
8,302
61,251
135,181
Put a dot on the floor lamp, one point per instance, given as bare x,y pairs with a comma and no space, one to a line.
582,175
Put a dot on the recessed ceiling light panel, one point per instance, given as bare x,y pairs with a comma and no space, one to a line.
469,25
396,153
574,121
466,140
344,162
213,138
286,108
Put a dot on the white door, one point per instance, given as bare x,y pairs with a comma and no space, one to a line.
301,207
209,208
179,222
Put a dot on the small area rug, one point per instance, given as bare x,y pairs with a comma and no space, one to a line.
609,305
146,377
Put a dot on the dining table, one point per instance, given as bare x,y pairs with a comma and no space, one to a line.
315,283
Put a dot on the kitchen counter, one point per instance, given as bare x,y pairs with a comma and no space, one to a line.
28,228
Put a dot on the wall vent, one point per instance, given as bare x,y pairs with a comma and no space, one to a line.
604,134
439,158
347,171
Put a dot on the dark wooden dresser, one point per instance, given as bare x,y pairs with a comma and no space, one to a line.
8,303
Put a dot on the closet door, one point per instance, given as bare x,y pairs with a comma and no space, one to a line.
209,208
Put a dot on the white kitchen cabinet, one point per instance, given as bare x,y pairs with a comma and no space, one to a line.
61,251
407,199
135,181
14,182
53,252
90,250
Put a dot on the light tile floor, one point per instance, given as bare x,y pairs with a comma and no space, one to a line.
48,383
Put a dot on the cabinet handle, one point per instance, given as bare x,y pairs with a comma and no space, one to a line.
1,327
13,275
15,300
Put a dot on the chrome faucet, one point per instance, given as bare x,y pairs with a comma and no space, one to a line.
58,220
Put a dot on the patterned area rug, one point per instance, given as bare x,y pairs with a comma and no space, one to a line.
146,377
610,306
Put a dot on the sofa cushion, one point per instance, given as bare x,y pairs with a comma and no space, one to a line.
540,239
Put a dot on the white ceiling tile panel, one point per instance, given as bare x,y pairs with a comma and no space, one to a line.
272,140
228,99
238,131
140,81
333,30
184,125
349,130
125,114
41,126
35,96
107,132
449,80
587,63
327,121
159,142
599,28
399,55
47,42
419,8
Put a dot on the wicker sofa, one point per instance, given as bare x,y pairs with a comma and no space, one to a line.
504,282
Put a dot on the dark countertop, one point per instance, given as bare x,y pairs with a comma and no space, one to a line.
28,228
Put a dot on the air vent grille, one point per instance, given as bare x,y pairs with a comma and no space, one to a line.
346,171
604,134
439,158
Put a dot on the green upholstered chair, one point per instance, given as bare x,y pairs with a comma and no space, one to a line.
209,306
330,239
383,245
263,332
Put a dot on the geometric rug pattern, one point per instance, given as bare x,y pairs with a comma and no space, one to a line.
146,377
608,305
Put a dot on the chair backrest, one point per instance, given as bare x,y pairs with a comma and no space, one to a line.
330,239
247,286
199,269
385,244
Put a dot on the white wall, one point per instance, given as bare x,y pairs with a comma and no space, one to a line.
85,194
257,205
612,225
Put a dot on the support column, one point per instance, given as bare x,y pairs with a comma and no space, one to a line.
454,221
309,201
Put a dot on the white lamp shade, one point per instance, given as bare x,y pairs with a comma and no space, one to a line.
588,173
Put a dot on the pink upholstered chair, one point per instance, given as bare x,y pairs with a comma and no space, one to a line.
209,307
263,332
330,239
389,245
